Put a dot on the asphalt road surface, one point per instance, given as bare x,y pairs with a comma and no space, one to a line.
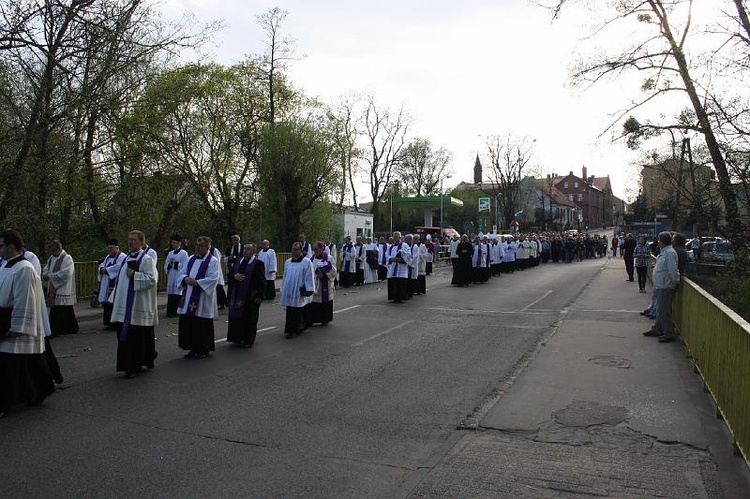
359,408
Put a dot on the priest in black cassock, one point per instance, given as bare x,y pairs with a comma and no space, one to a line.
245,297
462,272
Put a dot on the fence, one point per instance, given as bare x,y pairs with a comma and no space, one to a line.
719,342
87,281
87,275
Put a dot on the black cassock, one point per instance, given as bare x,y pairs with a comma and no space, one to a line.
243,310
462,273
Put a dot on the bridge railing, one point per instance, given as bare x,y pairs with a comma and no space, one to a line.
718,340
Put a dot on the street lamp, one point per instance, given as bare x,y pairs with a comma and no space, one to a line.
441,206
393,186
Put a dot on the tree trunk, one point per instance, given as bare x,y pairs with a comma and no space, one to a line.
736,232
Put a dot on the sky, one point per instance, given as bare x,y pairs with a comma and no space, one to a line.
464,70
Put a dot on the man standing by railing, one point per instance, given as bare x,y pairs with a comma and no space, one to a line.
666,276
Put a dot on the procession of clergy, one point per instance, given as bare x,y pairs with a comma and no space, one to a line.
29,315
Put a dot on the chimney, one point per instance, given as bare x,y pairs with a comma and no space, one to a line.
584,177
591,180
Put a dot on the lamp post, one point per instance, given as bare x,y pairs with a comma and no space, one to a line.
441,206
393,186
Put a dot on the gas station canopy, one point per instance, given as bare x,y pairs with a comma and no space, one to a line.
428,203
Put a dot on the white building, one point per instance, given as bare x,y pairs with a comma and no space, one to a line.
353,224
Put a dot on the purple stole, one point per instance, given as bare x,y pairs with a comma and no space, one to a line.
195,296
239,289
384,253
130,299
324,291
479,253
347,248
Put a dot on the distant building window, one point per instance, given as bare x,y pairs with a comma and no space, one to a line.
565,185
575,185
580,197
570,197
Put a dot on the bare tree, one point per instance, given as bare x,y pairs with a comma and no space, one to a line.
385,134
279,51
662,57
345,129
509,159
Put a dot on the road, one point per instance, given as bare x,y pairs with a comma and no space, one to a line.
358,408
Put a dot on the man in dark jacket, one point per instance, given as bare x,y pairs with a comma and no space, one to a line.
627,253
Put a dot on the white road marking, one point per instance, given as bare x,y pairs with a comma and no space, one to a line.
345,309
545,295
508,312
360,343
221,340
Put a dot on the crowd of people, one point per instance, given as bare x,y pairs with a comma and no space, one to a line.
476,260
196,290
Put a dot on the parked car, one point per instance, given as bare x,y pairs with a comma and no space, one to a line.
716,251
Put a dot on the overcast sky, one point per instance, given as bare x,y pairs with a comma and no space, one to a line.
464,69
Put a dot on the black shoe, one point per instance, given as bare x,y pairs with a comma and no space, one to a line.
129,375
646,312
289,336
58,380
190,355
651,333
200,356
245,345
666,339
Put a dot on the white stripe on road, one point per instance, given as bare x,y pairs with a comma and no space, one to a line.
545,295
345,309
480,311
221,340
360,343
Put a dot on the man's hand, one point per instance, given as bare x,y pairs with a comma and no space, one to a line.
239,277
130,273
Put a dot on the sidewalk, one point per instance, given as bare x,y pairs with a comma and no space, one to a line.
599,410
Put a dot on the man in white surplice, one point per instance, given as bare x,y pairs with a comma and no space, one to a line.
109,269
267,255
60,275
175,259
134,308
197,308
26,375
297,289
399,258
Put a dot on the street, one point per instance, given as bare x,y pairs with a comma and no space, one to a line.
358,408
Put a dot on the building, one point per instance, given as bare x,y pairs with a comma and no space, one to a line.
353,223
592,197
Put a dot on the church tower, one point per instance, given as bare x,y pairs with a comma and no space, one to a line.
477,171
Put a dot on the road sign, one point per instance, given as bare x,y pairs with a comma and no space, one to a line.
485,204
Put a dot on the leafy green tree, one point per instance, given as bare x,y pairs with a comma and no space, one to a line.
296,171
